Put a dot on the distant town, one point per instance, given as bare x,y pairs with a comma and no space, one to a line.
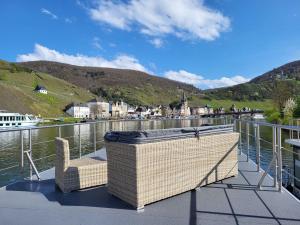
98,108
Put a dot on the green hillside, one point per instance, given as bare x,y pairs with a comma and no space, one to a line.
16,91
262,87
138,88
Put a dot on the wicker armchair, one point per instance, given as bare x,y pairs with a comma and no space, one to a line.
79,173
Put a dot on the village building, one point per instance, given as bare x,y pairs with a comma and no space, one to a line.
202,110
131,112
78,110
41,89
156,111
118,109
183,109
99,109
219,110
143,112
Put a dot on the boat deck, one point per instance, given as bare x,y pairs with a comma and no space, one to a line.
231,201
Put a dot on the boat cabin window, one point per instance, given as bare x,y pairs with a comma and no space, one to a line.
19,124
7,124
1,124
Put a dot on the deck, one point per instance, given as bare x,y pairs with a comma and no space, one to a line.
232,201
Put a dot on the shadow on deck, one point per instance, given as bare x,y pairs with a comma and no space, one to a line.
231,201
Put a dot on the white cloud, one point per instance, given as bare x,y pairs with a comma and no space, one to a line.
68,20
187,19
127,62
183,76
43,53
49,13
201,82
157,42
96,43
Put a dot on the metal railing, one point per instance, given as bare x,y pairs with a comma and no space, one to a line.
26,153
276,161
248,130
25,147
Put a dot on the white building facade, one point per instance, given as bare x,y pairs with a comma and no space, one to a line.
202,110
79,111
118,109
41,89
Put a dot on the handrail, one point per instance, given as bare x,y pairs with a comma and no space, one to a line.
286,127
4,130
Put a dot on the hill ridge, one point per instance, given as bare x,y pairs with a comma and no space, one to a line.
136,87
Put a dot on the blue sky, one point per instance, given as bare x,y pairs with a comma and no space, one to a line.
208,43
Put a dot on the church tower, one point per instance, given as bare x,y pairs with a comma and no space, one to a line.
185,109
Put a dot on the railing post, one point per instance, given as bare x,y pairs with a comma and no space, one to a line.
297,124
279,159
247,140
79,134
30,152
95,138
234,126
258,147
22,151
59,131
240,139
275,153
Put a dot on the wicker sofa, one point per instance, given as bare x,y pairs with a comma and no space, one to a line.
78,173
143,169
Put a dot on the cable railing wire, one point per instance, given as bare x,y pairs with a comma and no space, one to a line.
9,167
5,149
290,151
292,175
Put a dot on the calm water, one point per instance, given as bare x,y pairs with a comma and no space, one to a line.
43,143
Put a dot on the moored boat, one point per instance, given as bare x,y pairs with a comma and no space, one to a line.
11,120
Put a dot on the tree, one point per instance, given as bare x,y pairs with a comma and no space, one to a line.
296,113
95,111
289,107
174,104
282,92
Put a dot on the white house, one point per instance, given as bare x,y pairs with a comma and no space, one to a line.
131,112
78,110
98,108
41,89
202,110
143,112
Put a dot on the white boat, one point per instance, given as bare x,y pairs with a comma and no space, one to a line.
12,120
258,116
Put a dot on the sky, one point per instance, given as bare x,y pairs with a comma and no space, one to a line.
206,43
